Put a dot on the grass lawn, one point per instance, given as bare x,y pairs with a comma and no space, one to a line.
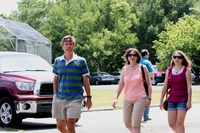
104,98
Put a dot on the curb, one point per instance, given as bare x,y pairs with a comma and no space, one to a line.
98,109
155,105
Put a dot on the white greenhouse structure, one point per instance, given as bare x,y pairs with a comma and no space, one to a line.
20,37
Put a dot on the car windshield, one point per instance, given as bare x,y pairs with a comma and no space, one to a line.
115,74
11,63
103,73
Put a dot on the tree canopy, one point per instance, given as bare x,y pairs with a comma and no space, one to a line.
101,29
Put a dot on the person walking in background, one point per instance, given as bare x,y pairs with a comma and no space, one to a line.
148,64
71,74
135,98
179,79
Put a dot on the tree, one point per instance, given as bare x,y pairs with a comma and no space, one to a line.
32,12
101,29
153,15
111,35
184,35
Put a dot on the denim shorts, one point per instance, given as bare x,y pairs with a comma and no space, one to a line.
177,106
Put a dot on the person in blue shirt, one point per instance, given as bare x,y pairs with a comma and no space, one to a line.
148,64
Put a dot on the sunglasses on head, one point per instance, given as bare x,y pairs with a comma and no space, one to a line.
179,57
68,39
130,55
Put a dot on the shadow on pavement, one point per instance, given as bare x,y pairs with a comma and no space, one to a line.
36,126
26,126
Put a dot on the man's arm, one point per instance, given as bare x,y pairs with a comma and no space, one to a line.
151,75
150,69
55,84
86,84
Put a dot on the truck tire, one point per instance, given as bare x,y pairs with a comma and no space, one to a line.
8,117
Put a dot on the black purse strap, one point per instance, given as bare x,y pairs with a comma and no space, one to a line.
144,80
143,75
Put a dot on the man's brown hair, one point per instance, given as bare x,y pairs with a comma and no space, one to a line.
68,38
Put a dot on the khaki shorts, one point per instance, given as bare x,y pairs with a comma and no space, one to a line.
133,111
63,109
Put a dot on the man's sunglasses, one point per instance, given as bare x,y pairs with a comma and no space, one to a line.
179,57
130,55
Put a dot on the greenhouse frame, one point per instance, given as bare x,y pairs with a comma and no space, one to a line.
20,37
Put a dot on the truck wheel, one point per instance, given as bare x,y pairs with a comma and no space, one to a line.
8,117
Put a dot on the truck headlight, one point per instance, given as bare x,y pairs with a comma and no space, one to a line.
25,86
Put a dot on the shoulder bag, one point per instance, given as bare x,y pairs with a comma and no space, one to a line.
165,104
145,83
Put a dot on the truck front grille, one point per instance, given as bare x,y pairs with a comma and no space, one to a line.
46,89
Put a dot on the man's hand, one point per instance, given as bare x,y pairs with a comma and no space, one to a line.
88,103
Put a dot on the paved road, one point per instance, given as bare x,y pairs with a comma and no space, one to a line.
110,121
113,122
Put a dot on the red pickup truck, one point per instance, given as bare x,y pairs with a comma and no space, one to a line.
26,88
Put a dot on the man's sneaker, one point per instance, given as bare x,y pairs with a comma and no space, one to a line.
147,119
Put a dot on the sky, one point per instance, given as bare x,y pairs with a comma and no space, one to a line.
7,6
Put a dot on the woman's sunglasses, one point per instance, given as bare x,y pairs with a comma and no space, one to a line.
130,55
179,57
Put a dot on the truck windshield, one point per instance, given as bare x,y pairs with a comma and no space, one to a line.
18,63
